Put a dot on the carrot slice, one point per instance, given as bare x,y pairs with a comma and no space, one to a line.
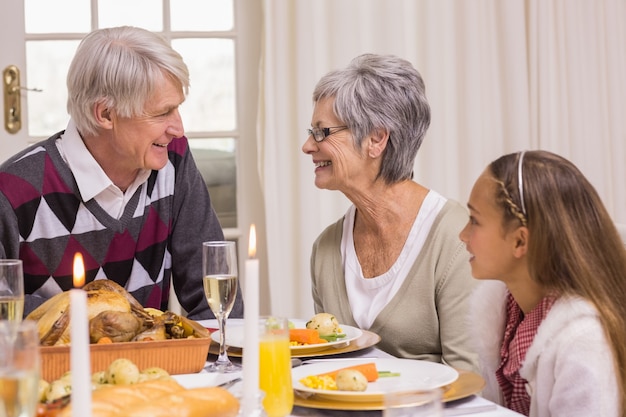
367,369
306,336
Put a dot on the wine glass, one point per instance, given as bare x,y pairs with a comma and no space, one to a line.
19,368
219,267
11,290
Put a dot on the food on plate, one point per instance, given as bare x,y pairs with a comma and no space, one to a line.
322,328
327,326
194,402
160,398
350,380
58,388
122,391
41,390
119,372
117,326
367,369
122,371
301,337
325,382
99,378
154,372
330,380
114,316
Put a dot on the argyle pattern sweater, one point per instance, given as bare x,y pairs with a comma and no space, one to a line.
158,238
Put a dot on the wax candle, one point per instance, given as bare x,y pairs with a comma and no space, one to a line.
251,329
79,344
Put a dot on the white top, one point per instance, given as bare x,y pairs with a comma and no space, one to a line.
91,179
569,365
368,296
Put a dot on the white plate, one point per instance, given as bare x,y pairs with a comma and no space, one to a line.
414,374
204,379
235,335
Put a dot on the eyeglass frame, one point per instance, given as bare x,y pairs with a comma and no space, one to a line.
325,131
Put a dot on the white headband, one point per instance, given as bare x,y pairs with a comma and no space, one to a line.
520,181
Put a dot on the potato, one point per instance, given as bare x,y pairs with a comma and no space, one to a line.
42,389
98,378
58,388
153,373
351,380
122,371
325,323
119,372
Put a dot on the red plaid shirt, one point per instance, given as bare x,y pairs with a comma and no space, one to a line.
518,336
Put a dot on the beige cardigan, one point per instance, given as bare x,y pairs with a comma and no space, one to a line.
427,317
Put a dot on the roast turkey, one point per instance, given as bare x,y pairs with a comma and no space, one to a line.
112,312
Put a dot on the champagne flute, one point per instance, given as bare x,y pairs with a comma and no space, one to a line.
11,290
19,368
219,266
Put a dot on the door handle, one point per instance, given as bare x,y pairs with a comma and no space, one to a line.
13,99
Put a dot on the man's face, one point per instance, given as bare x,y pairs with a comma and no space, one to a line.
141,142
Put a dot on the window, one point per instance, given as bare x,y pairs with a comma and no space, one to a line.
203,32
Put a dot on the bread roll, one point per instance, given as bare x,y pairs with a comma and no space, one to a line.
195,402
115,400
161,398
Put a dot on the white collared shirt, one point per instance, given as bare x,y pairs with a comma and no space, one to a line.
91,179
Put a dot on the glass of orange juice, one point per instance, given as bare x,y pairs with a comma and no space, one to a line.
275,366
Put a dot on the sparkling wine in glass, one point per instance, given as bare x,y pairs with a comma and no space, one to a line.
19,368
11,290
219,266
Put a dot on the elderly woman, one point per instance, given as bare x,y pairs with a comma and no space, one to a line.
393,263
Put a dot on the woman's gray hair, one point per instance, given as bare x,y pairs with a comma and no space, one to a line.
381,92
119,67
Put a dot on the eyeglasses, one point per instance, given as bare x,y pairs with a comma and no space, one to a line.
321,133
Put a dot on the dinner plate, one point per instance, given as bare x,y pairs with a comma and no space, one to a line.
468,383
235,337
203,379
367,340
414,374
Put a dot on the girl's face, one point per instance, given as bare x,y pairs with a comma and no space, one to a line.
491,247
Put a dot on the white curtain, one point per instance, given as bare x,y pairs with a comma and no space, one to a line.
501,76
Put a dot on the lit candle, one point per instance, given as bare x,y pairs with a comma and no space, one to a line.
79,344
251,328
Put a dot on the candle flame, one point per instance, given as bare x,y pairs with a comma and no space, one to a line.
252,242
79,270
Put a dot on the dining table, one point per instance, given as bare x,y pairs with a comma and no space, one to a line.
473,405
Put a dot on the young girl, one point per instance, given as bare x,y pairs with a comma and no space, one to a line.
551,328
